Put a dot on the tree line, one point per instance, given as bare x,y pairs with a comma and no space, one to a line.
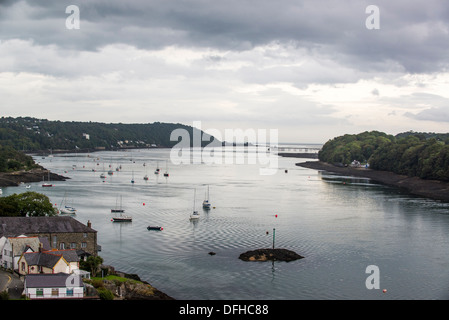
31,134
423,155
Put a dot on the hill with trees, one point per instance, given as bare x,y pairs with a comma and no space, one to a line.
423,155
13,160
31,134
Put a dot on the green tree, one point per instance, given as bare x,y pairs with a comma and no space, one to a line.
92,264
30,204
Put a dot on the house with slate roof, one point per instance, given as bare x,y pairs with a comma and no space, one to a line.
12,249
61,232
42,262
53,286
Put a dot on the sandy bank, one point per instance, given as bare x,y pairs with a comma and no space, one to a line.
433,189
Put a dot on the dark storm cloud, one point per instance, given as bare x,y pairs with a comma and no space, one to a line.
413,35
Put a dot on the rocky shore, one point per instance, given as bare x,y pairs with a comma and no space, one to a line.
433,189
13,179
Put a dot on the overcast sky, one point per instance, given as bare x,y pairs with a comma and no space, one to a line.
311,69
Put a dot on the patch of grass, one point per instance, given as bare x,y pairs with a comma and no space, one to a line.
114,278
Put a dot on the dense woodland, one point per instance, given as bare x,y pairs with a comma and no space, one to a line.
13,160
31,134
424,155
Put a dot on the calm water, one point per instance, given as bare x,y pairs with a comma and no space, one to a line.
339,224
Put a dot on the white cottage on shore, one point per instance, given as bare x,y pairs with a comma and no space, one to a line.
53,286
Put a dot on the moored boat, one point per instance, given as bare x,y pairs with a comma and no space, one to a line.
155,228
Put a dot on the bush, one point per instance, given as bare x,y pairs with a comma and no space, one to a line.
105,294
4,295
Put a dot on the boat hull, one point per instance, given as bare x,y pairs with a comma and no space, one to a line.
122,219
155,228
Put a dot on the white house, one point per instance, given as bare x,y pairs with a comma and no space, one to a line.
53,286
14,247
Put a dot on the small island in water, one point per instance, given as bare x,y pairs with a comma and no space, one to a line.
270,255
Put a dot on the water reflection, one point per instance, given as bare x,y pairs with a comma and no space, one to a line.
339,224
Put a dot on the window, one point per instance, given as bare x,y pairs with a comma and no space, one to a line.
84,245
54,292
69,292
23,266
54,243
62,246
73,245
85,235
40,292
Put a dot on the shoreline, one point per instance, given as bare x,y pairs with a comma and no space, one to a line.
16,178
432,189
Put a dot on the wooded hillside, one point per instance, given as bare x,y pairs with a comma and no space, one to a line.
423,155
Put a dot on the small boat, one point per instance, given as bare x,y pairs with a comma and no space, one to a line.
64,208
166,169
122,219
117,208
194,215
102,176
67,210
157,169
206,204
145,178
47,184
110,172
155,228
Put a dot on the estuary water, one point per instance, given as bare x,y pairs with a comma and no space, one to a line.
341,225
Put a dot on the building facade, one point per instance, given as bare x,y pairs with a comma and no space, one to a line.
53,286
62,232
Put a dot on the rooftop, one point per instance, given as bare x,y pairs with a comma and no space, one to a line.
14,226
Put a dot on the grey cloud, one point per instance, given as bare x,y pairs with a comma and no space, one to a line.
438,114
413,36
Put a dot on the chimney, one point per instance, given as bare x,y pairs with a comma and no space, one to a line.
40,246
89,224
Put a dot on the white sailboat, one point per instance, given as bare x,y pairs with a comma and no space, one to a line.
206,204
194,215
122,218
47,184
64,208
